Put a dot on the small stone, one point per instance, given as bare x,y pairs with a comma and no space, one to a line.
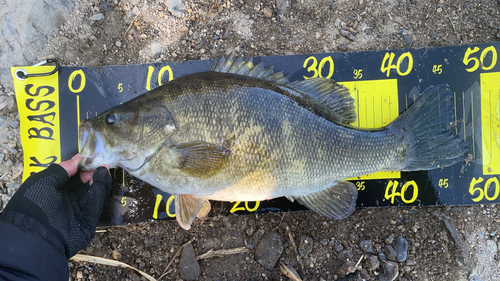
401,247
390,239
135,2
367,246
79,275
267,12
389,272
407,39
390,253
155,49
136,10
188,267
439,10
144,36
118,44
116,255
372,263
282,6
491,247
410,262
306,245
175,7
99,16
184,28
269,250
347,34
2,156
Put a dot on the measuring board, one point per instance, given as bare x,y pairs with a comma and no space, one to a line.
383,83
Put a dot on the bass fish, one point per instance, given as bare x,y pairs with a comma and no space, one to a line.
240,132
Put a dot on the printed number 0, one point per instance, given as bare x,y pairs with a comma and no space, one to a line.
318,69
72,78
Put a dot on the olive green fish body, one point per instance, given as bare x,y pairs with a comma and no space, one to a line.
244,133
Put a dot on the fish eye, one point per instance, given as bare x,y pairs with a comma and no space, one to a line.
110,119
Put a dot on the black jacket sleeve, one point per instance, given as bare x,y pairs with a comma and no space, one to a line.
29,251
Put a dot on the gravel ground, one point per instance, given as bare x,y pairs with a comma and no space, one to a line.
417,243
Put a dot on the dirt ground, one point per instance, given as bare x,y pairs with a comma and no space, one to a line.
446,243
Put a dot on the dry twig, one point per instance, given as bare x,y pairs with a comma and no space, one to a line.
294,247
173,258
223,252
290,272
103,261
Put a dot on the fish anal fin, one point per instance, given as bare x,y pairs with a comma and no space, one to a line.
334,97
201,159
335,202
188,207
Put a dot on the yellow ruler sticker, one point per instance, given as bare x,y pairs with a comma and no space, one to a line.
490,122
376,106
38,105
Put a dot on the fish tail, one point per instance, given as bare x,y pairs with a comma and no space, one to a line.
428,127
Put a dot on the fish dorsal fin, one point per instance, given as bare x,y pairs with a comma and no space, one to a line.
246,67
331,94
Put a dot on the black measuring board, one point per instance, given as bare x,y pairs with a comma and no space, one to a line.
384,83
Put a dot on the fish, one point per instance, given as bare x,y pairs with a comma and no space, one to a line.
242,132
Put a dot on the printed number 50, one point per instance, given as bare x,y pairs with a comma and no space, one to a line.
483,192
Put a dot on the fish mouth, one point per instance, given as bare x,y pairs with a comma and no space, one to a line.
92,148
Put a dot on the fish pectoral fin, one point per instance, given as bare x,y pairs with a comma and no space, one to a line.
334,101
335,202
188,207
201,159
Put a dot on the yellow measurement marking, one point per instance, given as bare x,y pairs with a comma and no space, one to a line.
490,122
472,113
123,177
78,119
373,96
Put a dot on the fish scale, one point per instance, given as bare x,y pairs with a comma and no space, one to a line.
220,135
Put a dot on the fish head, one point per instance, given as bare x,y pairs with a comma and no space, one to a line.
125,136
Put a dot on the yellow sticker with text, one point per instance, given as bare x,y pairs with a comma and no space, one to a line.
376,106
38,105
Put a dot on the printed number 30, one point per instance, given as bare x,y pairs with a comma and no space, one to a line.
317,70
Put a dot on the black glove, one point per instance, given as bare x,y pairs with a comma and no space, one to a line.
67,207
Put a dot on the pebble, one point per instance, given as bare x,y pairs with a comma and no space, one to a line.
135,2
116,255
347,34
367,246
269,250
175,7
188,267
267,12
389,240
389,272
118,44
2,156
407,39
282,6
390,252
491,246
401,247
99,16
306,246
372,263
155,49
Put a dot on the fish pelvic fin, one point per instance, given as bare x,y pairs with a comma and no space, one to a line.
336,98
335,202
246,67
187,208
428,126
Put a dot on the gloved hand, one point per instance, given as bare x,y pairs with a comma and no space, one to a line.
59,199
